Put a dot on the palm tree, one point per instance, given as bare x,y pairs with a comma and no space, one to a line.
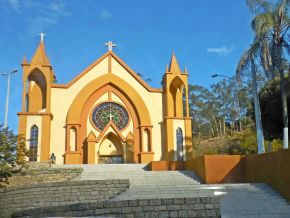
247,62
271,25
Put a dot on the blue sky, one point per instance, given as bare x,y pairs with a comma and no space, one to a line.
206,36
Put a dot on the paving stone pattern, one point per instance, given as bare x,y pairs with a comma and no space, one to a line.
58,193
172,207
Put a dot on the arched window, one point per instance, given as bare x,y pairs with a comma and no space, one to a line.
33,143
26,103
146,141
184,102
110,111
176,91
73,139
179,143
36,91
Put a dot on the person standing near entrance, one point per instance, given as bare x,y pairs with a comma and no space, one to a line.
52,159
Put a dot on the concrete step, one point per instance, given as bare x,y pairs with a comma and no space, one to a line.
188,189
237,200
100,167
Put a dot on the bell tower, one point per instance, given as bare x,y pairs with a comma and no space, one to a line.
177,122
37,77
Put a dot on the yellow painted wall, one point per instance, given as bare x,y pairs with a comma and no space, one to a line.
35,97
110,147
116,98
61,100
153,101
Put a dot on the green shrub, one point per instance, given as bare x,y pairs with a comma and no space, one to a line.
13,154
244,143
276,144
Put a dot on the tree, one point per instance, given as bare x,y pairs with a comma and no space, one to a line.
206,112
271,109
200,111
148,80
246,62
13,154
232,100
271,25
243,142
215,110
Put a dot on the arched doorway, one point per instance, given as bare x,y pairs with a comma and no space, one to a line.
111,149
179,143
87,98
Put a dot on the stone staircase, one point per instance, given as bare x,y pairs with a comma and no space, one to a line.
237,200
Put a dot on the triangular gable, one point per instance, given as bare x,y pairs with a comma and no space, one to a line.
111,127
109,54
134,74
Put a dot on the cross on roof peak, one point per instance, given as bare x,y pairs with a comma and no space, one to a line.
41,36
110,45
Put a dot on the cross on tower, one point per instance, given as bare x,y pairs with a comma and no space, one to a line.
110,45
41,36
111,116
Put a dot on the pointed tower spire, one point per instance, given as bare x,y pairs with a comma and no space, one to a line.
173,66
40,56
24,61
185,70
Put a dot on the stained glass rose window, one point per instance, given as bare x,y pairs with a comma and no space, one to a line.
107,111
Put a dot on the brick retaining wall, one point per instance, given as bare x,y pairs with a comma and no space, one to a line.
43,175
171,207
58,193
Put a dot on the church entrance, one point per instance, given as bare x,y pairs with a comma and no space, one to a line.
111,150
111,160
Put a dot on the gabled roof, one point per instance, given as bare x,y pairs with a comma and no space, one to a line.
122,63
115,130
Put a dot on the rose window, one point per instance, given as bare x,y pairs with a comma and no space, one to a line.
110,111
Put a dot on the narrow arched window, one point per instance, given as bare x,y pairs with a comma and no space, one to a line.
33,143
184,102
26,103
179,144
73,140
146,141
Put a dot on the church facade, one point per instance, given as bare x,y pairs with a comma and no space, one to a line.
107,114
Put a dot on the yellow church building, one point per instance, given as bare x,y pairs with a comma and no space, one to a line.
106,114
